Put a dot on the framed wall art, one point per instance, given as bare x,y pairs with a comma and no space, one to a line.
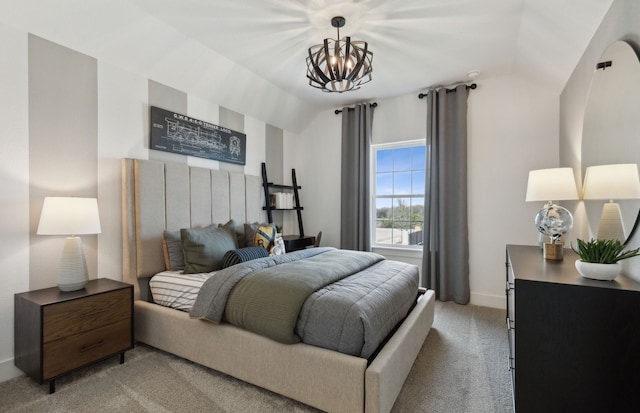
182,134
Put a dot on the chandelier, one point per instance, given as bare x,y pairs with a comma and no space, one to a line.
339,65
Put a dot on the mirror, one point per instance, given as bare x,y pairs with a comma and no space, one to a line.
611,129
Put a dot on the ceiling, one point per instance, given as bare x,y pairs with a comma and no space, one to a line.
258,47
415,43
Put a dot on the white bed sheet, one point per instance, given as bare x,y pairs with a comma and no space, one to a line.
177,290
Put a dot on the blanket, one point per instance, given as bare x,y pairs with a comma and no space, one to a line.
342,300
266,297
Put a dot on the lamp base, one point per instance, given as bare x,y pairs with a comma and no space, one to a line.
73,274
611,223
554,251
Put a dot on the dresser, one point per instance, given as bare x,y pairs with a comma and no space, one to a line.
574,343
56,332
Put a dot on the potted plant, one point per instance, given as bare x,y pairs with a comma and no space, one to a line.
599,258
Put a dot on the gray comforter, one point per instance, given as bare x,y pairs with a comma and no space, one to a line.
341,300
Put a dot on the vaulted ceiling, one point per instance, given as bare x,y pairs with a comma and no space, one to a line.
416,43
261,45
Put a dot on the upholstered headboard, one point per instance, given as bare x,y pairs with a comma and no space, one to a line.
158,196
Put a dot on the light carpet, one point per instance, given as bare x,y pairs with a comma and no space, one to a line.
462,367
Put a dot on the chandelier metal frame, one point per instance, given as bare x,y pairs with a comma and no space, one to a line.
339,65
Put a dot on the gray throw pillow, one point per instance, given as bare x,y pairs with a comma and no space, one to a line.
204,248
239,231
172,249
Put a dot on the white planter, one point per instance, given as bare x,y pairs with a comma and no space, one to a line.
597,271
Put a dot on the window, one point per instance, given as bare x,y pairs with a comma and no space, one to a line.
399,177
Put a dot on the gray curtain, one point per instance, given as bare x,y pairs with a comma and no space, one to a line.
445,262
355,204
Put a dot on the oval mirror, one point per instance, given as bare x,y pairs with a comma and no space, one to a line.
611,129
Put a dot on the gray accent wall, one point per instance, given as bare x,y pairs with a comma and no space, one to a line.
274,154
234,121
63,144
168,98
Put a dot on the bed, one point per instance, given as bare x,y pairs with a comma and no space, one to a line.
160,195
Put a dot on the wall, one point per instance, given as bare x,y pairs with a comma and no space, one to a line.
14,177
68,118
513,128
622,22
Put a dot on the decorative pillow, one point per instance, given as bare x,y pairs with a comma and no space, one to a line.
265,236
250,232
243,255
238,230
278,246
172,249
204,248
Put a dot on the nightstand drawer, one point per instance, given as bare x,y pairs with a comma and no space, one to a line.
75,316
62,355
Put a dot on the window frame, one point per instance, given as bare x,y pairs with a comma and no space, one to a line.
373,181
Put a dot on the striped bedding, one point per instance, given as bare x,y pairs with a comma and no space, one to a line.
177,290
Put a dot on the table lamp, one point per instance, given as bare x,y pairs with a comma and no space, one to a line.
553,221
70,216
611,182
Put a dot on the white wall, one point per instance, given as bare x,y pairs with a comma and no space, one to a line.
622,22
14,177
513,127
315,154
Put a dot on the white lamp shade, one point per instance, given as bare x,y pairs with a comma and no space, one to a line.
69,216
554,184
619,181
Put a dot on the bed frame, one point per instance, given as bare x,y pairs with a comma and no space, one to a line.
160,195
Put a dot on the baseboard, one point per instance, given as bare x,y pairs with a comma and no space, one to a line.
8,370
487,300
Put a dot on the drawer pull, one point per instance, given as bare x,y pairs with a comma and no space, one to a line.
92,346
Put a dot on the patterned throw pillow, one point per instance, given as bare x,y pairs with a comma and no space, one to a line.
265,236
243,255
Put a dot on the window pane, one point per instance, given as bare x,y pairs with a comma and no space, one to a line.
401,183
383,235
417,209
415,235
402,159
384,183
417,182
401,209
384,160
419,157
383,208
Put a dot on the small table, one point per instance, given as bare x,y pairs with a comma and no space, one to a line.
56,332
297,242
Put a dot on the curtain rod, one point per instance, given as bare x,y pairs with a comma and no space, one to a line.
471,86
372,105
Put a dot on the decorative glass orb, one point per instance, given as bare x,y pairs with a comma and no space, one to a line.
554,221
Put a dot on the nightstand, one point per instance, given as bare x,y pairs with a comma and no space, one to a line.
296,242
57,332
